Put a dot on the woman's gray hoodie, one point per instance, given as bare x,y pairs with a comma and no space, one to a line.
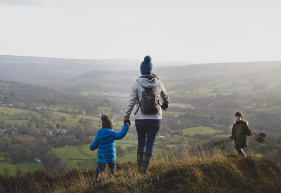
146,81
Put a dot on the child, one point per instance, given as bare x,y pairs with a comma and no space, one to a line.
105,141
240,132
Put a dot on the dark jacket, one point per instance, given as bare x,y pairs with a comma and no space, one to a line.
240,132
105,141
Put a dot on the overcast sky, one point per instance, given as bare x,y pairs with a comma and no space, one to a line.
174,30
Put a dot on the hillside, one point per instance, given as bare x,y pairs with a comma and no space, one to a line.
201,174
29,69
183,81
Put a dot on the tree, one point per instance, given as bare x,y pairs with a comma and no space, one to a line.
130,149
53,163
18,153
5,143
80,121
119,151
62,119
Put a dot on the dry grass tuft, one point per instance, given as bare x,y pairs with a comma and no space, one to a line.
200,170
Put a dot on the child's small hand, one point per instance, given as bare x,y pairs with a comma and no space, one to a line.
127,122
251,133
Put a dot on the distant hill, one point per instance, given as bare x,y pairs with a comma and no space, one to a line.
181,76
269,76
39,69
215,69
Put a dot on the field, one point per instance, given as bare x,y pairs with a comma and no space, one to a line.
174,114
54,117
24,166
83,155
11,111
181,105
200,130
118,94
223,136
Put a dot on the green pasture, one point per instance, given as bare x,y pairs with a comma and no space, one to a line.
83,154
97,92
196,93
83,151
223,136
178,138
12,111
200,130
76,152
259,155
181,105
278,107
174,114
24,166
20,122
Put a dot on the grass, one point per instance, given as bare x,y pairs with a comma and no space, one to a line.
259,155
83,151
197,93
200,171
24,166
200,130
75,152
223,136
119,94
276,107
12,111
70,120
181,105
174,114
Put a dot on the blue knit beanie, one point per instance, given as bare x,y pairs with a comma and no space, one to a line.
146,66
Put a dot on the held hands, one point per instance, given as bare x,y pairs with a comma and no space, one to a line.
251,133
127,122
230,139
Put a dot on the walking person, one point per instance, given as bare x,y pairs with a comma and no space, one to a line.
145,94
105,142
240,133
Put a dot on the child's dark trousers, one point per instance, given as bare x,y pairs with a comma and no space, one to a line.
100,166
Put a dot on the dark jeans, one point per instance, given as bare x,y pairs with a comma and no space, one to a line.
112,166
147,130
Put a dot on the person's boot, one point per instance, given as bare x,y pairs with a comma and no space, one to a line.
97,175
146,161
139,159
110,173
242,153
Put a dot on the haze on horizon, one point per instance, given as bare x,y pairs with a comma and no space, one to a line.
197,31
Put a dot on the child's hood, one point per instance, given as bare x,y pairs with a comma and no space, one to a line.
104,133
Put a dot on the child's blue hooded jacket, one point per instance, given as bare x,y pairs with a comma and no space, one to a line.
105,141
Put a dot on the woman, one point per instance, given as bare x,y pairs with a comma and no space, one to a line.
146,93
